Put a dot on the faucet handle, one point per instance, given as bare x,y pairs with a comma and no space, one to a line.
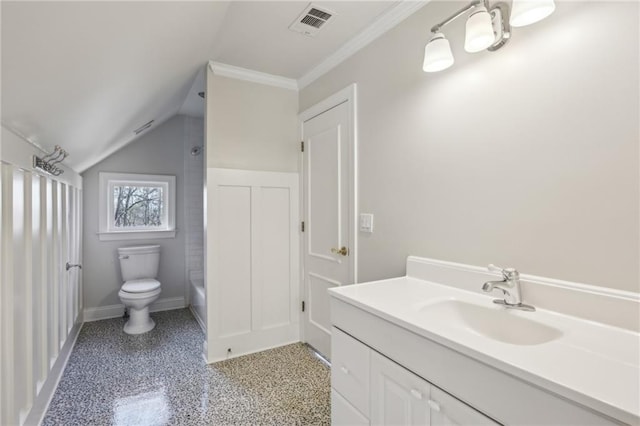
507,273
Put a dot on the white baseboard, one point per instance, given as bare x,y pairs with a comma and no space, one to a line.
168,304
115,311
48,389
227,347
218,358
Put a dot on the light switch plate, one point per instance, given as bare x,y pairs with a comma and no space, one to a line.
366,222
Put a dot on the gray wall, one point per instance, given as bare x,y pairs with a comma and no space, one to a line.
526,157
160,151
251,126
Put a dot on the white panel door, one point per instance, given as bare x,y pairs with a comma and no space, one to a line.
328,246
252,270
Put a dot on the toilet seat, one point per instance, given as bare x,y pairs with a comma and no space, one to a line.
131,297
144,285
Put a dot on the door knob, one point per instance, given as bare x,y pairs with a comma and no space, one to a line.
343,251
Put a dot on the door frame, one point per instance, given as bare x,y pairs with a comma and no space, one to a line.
348,94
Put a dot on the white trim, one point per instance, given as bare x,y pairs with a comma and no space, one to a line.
48,389
384,23
344,95
115,311
381,25
24,138
168,304
215,359
135,235
231,71
106,181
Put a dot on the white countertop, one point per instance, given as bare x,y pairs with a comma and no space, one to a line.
593,364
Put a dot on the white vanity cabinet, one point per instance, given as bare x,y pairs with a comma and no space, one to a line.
369,388
426,348
343,413
398,397
500,396
350,364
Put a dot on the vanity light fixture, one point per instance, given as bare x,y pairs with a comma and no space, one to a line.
487,28
526,12
439,53
479,31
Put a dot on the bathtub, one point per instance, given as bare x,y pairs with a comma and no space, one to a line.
197,305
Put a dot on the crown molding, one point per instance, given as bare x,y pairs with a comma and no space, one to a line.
22,136
392,17
384,23
231,71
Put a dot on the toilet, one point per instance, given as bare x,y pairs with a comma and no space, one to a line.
139,266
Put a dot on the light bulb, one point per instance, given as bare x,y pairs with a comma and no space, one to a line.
479,31
437,54
526,12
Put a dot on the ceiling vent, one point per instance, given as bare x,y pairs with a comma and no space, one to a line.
143,127
311,20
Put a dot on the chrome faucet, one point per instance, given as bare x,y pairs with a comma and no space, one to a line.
510,288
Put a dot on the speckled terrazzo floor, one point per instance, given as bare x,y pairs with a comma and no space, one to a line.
160,378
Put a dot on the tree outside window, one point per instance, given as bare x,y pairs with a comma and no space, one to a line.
137,206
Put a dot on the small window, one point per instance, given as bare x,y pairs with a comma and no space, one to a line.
136,206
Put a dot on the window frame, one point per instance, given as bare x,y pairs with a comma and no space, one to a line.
107,230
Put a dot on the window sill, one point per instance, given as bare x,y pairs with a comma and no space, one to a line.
135,235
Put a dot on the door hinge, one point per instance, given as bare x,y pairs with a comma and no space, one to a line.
302,146
302,226
303,306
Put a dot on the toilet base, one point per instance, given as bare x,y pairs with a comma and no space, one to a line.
139,321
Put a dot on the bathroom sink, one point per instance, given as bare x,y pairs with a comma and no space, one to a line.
493,322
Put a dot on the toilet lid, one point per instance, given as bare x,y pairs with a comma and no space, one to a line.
141,286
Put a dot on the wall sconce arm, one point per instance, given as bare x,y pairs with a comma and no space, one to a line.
474,3
502,28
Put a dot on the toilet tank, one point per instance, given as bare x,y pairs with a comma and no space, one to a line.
139,262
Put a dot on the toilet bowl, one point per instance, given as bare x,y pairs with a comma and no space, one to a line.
137,301
139,266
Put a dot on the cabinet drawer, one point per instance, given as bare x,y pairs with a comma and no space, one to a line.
350,369
447,410
343,413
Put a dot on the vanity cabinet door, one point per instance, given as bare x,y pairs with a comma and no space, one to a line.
343,413
398,397
449,411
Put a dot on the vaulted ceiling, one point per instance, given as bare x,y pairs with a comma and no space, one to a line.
84,75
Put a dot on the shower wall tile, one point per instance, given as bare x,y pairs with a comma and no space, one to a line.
193,196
